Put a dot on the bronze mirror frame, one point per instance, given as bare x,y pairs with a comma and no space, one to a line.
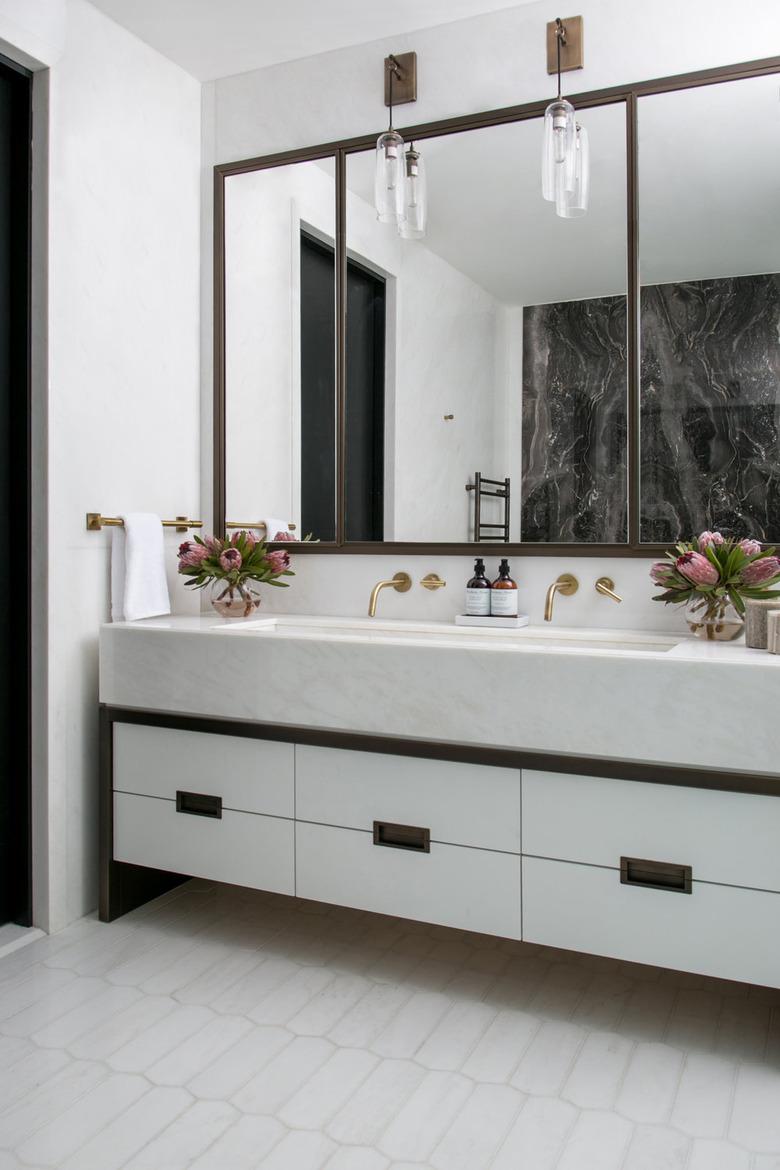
339,151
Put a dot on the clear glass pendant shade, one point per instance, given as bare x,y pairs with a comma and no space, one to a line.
558,149
412,227
389,181
574,203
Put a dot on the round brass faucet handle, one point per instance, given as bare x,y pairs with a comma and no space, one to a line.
432,581
403,582
567,584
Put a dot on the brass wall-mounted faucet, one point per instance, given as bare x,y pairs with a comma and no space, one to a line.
401,582
565,584
606,587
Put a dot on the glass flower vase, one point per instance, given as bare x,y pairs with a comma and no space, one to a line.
713,618
235,601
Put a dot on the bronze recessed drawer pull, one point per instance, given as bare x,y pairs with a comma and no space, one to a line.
402,837
656,875
199,805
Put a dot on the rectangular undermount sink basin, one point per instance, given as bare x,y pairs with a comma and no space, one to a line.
443,634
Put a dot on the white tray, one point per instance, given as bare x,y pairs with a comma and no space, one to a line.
495,620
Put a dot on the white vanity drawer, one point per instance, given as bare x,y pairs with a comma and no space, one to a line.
473,889
728,837
716,930
252,775
243,849
461,804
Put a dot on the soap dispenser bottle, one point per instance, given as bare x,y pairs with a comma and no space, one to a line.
478,591
503,593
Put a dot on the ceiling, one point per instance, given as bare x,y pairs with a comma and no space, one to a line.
217,38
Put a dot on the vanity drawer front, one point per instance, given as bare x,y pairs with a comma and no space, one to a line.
251,775
461,804
473,889
728,837
724,931
243,849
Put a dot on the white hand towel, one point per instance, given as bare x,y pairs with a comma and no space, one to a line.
139,587
274,526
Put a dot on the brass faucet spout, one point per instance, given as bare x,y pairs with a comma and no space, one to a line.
401,582
565,584
606,587
548,601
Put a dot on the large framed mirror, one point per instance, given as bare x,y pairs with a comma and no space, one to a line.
603,385
709,255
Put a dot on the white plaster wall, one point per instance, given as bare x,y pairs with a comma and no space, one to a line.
446,365
483,63
123,338
32,32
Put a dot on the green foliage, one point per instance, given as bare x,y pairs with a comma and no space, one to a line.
730,560
204,561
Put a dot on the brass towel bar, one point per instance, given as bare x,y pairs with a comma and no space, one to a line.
95,521
252,524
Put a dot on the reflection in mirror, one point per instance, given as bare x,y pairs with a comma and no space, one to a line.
496,344
280,316
709,169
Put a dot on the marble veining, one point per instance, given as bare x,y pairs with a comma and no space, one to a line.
574,422
710,413
710,408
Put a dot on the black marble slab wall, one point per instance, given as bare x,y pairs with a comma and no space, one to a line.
710,414
710,408
573,483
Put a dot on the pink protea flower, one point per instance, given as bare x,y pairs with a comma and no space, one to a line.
710,538
750,547
757,572
278,560
248,539
284,536
697,569
660,572
230,559
213,544
192,554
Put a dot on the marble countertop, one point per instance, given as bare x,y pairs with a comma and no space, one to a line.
445,635
656,705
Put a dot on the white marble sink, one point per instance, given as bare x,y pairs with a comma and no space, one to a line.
614,693
444,634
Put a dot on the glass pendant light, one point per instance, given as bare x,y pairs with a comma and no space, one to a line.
412,226
389,175
573,204
559,147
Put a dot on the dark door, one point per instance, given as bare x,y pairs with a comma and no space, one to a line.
365,394
318,390
15,887
365,404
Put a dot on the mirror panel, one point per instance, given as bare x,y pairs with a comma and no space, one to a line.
709,172
280,347
496,344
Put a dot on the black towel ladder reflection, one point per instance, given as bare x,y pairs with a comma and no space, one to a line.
501,492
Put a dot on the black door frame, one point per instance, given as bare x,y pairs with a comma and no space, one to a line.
19,871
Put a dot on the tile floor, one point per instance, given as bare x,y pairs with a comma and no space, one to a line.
222,1029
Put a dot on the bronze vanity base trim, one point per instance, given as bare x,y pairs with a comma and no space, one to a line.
123,887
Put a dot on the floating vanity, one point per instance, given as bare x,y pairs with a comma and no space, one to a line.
578,788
